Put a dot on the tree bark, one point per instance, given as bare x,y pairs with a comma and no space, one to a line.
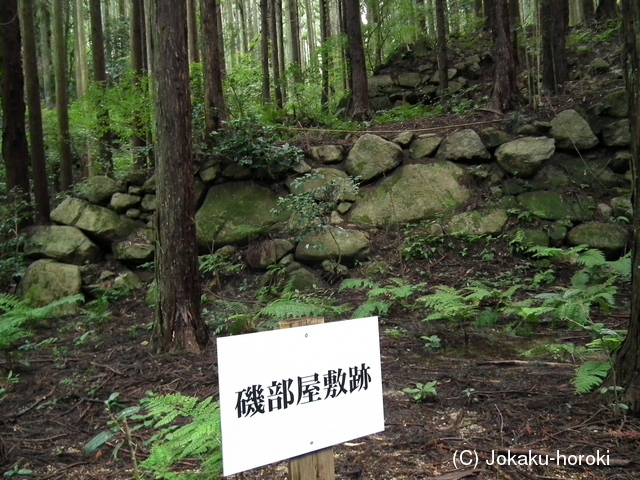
215,109
192,21
100,79
324,53
627,361
178,326
36,136
554,22
15,150
607,9
311,29
45,54
443,66
294,24
359,84
82,65
505,88
488,19
62,98
588,12
138,138
264,50
275,51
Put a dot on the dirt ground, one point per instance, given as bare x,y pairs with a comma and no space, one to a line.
489,399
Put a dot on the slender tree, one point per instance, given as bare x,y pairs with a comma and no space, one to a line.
178,326
311,29
554,22
62,98
45,53
100,79
275,52
15,150
488,19
294,36
443,66
215,110
627,362
36,137
138,139
192,22
82,65
358,68
264,50
325,30
505,86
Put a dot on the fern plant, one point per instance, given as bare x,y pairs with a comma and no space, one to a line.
590,375
200,438
16,314
381,298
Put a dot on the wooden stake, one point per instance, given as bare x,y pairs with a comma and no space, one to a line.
316,465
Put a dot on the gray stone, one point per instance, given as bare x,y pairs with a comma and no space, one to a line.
550,177
100,223
524,157
209,171
557,234
379,104
454,87
493,137
622,207
617,134
327,153
604,211
149,203
553,206
379,81
136,248
593,171
301,167
318,178
611,238
344,207
121,202
127,280
415,192
409,79
621,161
99,189
236,172
371,156
302,279
133,213
150,185
478,222
404,138
335,244
63,243
424,145
47,280
235,212
135,177
616,104
535,237
571,131
463,146
268,252
135,190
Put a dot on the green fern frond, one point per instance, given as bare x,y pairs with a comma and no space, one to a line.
591,258
356,284
371,308
621,267
590,375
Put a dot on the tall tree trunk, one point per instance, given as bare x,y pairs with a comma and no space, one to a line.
264,49
100,79
627,361
220,44
503,96
588,12
215,111
82,65
192,21
421,19
178,325
607,9
281,54
311,29
554,21
15,150
45,54
443,65
359,85
514,24
36,136
488,7
243,26
324,53
294,24
431,18
275,59
62,99
138,139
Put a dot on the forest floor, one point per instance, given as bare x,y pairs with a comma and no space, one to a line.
489,399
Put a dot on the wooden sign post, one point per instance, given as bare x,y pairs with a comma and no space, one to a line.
317,465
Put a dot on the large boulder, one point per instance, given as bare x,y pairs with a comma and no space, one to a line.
121,202
371,156
553,206
424,145
478,222
47,280
334,244
571,131
524,157
617,134
61,242
415,192
327,153
99,189
464,146
100,223
138,247
611,238
234,212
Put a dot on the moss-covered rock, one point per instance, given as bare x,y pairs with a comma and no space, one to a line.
60,242
335,244
424,145
553,206
47,280
371,156
327,153
523,157
478,222
611,238
415,192
571,131
234,212
464,146
136,248
99,189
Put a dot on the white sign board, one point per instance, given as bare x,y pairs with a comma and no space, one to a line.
288,392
